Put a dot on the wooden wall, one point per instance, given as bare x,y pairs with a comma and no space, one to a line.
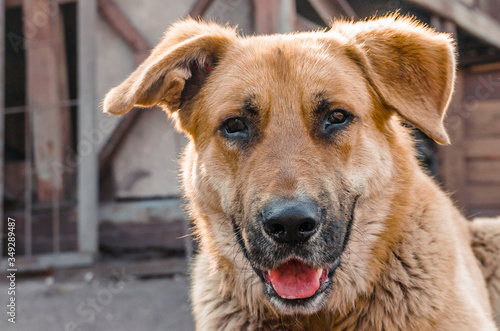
470,167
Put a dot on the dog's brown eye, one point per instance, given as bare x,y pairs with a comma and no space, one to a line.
234,125
336,120
336,117
235,128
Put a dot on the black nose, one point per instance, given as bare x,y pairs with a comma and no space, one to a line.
291,221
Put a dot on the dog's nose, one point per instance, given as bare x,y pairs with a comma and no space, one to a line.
291,221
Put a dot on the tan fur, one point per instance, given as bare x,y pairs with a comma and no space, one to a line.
486,246
408,263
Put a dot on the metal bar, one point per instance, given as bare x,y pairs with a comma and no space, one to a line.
2,120
87,152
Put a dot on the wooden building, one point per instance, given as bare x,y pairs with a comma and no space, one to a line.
79,182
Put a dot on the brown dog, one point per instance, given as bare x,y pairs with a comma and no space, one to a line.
311,207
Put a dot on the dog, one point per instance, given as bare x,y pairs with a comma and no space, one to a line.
311,208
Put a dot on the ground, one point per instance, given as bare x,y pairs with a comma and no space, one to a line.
111,296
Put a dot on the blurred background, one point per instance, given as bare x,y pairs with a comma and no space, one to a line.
101,238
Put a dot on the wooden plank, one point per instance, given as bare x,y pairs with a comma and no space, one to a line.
126,30
287,16
114,237
42,241
479,194
49,261
483,148
14,184
123,27
274,16
303,24
142,211
483,171
326,10
482,86
87,112
452,159
47,85
2,120
470,19
482,211
265,16
478,56
200,8
495,66
346,9
17,3
485,121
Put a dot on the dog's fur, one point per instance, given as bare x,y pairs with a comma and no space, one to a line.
405,254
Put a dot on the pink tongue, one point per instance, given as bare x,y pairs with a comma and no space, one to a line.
294,280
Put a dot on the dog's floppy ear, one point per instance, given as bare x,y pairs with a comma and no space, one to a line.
411,67
175,70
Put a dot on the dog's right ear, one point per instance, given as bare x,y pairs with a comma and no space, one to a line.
176,69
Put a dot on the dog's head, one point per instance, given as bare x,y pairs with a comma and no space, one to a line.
297,153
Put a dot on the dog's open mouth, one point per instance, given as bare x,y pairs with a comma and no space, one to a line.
295,279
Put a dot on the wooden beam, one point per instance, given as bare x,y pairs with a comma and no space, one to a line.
346,9
264,16
274,16
480,194
474,21
47,87
486,148
200,8
160,210
287,12
122,26
484,172
87,117
303,24
50,261
142,236
110,148
326,10
2,120
128,32
18,3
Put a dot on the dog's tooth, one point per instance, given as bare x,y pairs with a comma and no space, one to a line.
319,272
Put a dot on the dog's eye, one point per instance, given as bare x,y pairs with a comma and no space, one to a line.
335,119
235,128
